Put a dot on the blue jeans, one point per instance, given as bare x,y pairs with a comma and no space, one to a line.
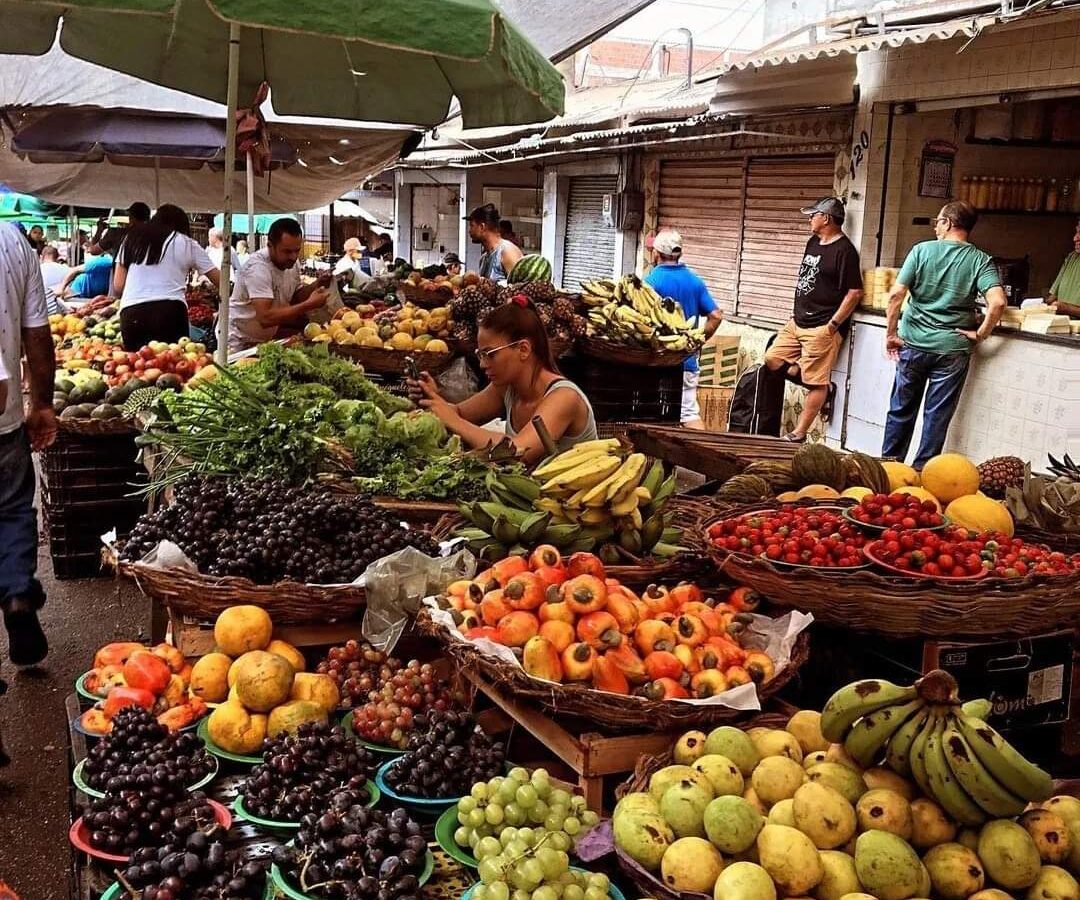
18,518
940,376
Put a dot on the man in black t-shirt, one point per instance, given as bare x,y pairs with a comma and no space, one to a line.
827,292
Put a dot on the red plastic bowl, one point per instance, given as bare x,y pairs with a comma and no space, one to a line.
79,835
868,552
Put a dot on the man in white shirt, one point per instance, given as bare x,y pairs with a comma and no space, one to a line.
348,269
214,244
267,299
24,331
53,273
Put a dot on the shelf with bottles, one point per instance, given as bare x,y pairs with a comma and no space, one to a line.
1008,194
1063,213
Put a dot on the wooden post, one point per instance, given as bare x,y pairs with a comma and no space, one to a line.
221,355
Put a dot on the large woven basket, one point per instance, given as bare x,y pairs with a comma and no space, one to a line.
392,362
423,513
903,607
204,597
693,564
427,299
607,351
648,883
614,711
92,427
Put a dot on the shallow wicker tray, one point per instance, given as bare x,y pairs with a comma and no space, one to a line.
392,362
692,565
91,427
426,299
204,597
615,711
421,513
900,606
632,356
650,884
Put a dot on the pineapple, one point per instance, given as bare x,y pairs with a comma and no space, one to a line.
579,326
538,291
999,473
467,304
563,309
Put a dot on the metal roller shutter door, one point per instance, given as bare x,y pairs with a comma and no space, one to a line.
775,232
703,201
588,244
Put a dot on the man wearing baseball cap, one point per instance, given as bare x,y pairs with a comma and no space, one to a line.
671,277
827,292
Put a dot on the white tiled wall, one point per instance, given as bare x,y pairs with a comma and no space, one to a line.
1021,398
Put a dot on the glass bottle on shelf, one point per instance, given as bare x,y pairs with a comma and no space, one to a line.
964,189
982,187
1030,191
1051,203
1040,194
1065,195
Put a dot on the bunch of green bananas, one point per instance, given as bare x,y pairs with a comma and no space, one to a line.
923,730
592,497
629,311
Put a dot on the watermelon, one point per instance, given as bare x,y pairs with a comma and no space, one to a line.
532,267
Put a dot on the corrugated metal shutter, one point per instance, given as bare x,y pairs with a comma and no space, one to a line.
775,232
588,244
703,200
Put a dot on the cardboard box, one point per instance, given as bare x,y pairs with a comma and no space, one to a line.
719,361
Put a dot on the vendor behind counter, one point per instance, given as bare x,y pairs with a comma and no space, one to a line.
1065,291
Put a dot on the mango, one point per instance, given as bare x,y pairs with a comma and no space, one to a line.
837,753
812,759
541,660
777,742
735,744
782,813
887,866
790,859
636,802
990,894
929,824
1054,883
644,838
320,689
689,748
264,682
233,728
1008,854
288,652
887,779
210,677
683,808
777,778
840,877
239,629
691,864
732,824
823,815
1050,834
885,810
840,778
722,773
805,725
669,775
744,881
955,871
288,717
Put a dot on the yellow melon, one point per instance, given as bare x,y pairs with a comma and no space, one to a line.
980,514
899,474
437,346
857,493
788,496
920,492
950,475
818,492
401,341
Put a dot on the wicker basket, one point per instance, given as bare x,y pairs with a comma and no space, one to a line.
607,351
427,299
647,882
416,512
92,427
903,607
204,597
693,564
614,711
392,362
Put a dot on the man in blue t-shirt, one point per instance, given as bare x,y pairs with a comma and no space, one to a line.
94,277
672,278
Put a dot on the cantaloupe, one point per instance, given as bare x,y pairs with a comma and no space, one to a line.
900,475
818,492
980,514
920,492
856,493
950,475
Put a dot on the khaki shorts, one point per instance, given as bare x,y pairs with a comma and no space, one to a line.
814,349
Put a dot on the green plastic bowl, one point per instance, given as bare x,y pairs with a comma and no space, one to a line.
346,723
445,827
204,735
284,887
282,825
77,779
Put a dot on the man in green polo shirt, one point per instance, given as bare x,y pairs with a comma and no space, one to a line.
1065,291
932,344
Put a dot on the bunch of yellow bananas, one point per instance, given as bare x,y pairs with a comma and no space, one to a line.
595,496
922,730
629,311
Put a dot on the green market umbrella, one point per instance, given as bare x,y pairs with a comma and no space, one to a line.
400,62
259,224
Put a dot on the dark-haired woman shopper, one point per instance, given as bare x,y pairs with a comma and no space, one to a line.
151,275
514,353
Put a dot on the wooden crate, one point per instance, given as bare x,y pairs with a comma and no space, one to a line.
194,638
592,756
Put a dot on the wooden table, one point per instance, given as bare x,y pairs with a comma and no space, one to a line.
717,455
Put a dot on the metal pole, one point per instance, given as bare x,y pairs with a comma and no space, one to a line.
157,182
252,246
222,353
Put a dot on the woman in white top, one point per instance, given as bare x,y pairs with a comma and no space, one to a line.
151,275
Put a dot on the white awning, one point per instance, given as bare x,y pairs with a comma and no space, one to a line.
822,81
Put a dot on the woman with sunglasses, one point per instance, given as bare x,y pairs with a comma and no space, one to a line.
524,382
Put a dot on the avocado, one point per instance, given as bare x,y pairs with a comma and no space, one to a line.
116,395
95,390
105,411
59,404
135,383
64,386
75,412
88,407
169,382
77,394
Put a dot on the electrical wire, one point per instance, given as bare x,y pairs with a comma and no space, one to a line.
750,18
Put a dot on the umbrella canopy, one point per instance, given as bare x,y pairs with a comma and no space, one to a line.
393,62
242,225
132,139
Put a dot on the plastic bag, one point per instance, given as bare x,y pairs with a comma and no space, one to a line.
457,382
324,314
397,584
